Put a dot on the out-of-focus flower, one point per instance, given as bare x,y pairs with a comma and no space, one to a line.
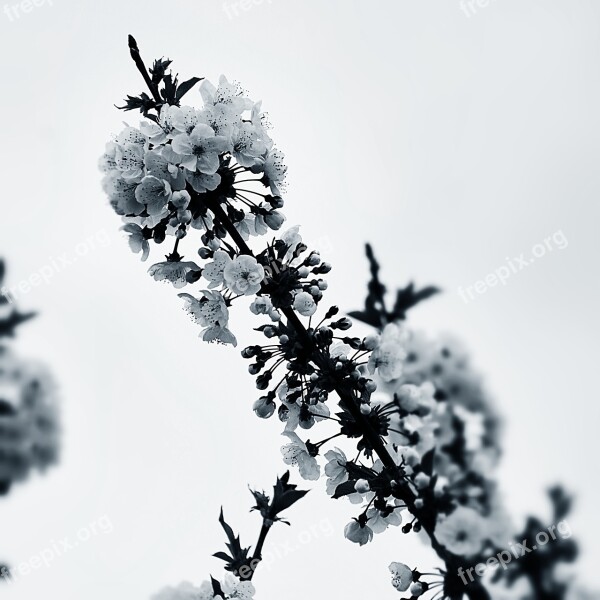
29,418
388,358
186,591
462,532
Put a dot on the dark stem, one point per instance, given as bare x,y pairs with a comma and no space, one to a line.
139,63
257,556
474,591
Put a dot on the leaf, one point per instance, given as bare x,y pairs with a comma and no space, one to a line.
186,86
216,586
285,495
427,462
344,489
223,556
375,312
407,298
10,323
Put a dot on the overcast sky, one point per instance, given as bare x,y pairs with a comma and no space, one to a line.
454,139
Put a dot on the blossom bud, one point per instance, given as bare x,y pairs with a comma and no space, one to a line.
250,351
365,409
274,219
344,323
204,253
269,331
416,589
264,407
284,339
362,486
322,284
370,386
314,259
214,244
303,272
419,504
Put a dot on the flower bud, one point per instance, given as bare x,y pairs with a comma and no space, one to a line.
264,407
362,486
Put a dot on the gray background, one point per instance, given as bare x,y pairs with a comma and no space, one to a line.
450,138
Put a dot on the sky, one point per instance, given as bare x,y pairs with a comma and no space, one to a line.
461,140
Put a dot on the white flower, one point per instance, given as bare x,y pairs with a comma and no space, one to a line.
379,523
211,312
298,416
357,533
402,576
129,153
244,275
248,148
296,453
388,358
174,272
292,238
335,469
234,588
186,591
262,305
462,532
137,240
305,304
121,194
213,271
155,193
200,149
202,182
228,94
275,171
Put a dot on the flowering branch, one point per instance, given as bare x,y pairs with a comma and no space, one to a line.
405,402
239,562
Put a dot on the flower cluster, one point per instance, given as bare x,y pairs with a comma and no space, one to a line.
164,177
230,587
28,418
29,412
426,434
